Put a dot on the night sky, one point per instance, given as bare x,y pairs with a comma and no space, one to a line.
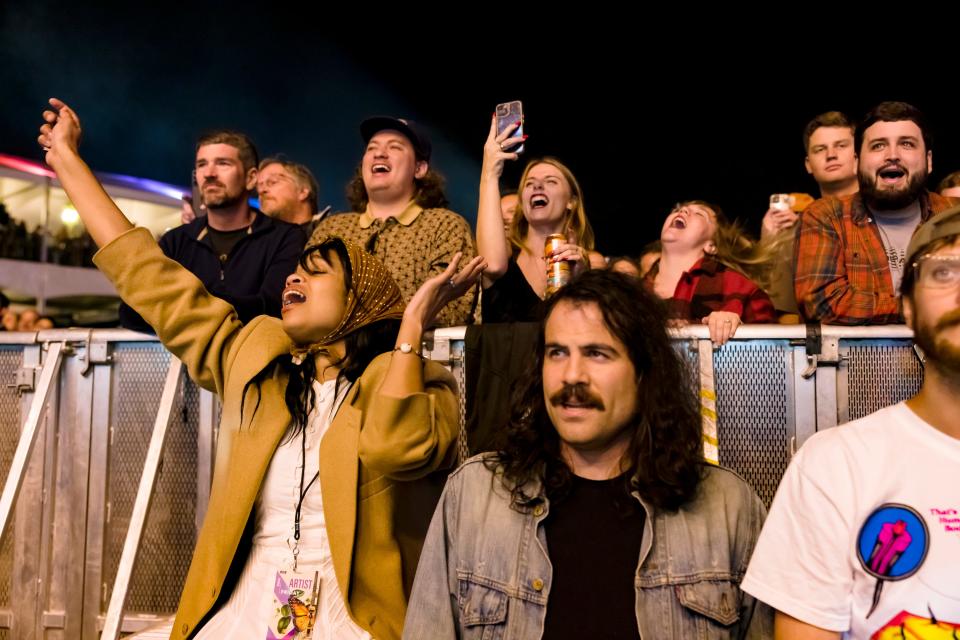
644,115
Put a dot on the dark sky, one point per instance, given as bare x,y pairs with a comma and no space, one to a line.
645,114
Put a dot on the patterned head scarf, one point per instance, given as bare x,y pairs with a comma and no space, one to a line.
373,295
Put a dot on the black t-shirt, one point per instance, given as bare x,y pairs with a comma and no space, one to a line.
593,540
223,242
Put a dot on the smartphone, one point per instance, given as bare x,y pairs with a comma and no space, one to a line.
781,201
510,113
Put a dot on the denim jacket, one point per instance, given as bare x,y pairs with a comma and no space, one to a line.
485,572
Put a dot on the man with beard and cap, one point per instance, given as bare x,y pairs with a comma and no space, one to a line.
238,253
850,250
399,211
597,517
870,511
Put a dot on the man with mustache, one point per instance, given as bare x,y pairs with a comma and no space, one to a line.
597,517
819,559
240,254
850,250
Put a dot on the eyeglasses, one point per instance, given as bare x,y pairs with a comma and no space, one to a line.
938,272
272,181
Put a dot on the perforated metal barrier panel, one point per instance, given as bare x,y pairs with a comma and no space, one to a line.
879,373
167,545
755,411
11,357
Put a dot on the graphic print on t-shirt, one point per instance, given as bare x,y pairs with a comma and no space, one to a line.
907,625
892,545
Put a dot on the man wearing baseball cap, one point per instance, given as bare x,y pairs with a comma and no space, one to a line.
399,211
863,537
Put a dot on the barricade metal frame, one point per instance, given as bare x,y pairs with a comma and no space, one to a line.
61,509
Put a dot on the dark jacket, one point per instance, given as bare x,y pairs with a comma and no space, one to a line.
251,278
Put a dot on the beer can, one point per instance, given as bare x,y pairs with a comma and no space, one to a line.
558,273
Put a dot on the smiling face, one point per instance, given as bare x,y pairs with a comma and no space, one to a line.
315,297
690,226
546,196
390,166
589,384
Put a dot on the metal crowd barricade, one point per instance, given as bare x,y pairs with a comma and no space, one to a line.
107,452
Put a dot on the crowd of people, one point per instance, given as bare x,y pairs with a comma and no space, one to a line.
594,515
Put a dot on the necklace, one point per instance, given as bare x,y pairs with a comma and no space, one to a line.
894,257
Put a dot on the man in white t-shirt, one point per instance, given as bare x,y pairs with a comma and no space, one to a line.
863,537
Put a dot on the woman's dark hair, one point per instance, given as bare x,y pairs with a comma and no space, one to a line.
664,459
360,348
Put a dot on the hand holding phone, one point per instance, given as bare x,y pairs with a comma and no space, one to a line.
509,113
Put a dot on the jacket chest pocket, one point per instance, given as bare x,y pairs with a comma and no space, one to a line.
483,611
711,607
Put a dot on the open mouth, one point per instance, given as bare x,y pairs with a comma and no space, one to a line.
380,167
292,297
539,201
891,174
679,223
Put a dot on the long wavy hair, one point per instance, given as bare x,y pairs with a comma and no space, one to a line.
575,220
428,191
360,348
737,250
664,459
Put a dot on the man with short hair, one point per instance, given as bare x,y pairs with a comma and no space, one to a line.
832,161
597,517
288,191
850,250
863,538
400,212
830,158
240,255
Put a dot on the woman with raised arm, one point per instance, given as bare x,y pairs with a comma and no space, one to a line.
515,280
327,414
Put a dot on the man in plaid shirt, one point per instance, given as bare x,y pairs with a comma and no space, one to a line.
850,250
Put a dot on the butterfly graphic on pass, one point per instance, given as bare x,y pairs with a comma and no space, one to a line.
299,615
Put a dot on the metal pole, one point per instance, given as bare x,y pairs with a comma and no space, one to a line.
28,437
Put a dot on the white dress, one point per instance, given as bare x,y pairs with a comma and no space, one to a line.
255,608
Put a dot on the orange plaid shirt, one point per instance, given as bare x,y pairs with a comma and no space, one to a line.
842,273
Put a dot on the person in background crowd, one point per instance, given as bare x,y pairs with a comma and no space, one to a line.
702,271
399,211
850,251
550,202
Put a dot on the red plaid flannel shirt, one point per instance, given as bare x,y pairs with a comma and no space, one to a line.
842,273
711,286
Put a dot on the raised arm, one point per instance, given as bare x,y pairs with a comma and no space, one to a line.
411,422
60,137
491,241
197,327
